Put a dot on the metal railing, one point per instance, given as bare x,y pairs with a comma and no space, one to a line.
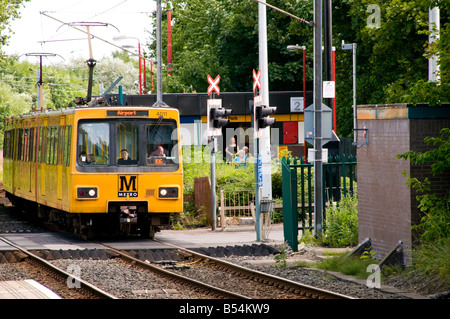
339,176
236,204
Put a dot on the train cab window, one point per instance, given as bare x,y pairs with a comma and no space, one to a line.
161,143
93,144
127,143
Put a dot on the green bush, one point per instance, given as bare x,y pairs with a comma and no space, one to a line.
433,254
229,177
342,223
435,223
433,258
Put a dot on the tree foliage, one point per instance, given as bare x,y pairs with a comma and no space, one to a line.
435,224
221,37
9,11
392,59
62,83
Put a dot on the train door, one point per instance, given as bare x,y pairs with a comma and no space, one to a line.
60,137
30,153
37,146
14,159
41,156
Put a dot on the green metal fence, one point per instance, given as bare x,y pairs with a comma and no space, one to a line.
339,176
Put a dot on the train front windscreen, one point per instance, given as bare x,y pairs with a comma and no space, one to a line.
123,144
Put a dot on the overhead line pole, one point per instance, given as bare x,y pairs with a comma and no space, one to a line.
318,82
159,100
328,48
40,83
318,195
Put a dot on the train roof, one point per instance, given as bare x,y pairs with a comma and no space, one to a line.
73,109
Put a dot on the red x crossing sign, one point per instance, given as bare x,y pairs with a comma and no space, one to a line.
213,84
257,80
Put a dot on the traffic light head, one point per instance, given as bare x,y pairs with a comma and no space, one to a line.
262,119
216,117
217,120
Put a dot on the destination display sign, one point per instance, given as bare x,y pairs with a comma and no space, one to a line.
127,113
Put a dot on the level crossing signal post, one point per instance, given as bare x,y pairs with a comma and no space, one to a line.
261,121
216,116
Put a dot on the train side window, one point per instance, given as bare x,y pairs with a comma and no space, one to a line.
49,145
31,145
66,150
52,136
93,144
42,144
24,154
60,139
19,144
7,144
6,137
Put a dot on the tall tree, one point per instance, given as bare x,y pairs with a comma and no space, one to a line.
391,55
9,10
221,37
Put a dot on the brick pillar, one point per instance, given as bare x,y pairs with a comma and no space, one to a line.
387,207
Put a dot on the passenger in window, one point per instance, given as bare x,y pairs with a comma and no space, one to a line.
86,159
159,151
125,159
83,158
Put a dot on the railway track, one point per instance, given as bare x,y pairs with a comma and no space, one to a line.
213,277
205,288
61,278
207,276
257,284
237,282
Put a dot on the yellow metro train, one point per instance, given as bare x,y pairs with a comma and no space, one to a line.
96,170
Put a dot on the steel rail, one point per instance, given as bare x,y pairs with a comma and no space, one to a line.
303,289
86,286
201,285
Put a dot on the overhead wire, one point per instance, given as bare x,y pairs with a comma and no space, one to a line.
60,33
115,6
84,31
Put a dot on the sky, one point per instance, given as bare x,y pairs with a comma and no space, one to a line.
128,18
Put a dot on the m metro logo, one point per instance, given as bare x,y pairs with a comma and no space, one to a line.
128,186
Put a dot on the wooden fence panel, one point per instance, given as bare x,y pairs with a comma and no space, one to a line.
202,191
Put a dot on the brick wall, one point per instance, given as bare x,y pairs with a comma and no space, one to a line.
387,207
440,184
384,201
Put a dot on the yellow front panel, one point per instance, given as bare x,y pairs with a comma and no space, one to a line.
125,187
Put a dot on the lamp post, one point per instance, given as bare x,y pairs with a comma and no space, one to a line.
123,37
303,48
145,75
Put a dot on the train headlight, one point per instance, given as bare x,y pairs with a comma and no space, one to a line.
87,192
168,192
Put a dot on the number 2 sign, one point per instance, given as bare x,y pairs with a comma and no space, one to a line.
297,104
